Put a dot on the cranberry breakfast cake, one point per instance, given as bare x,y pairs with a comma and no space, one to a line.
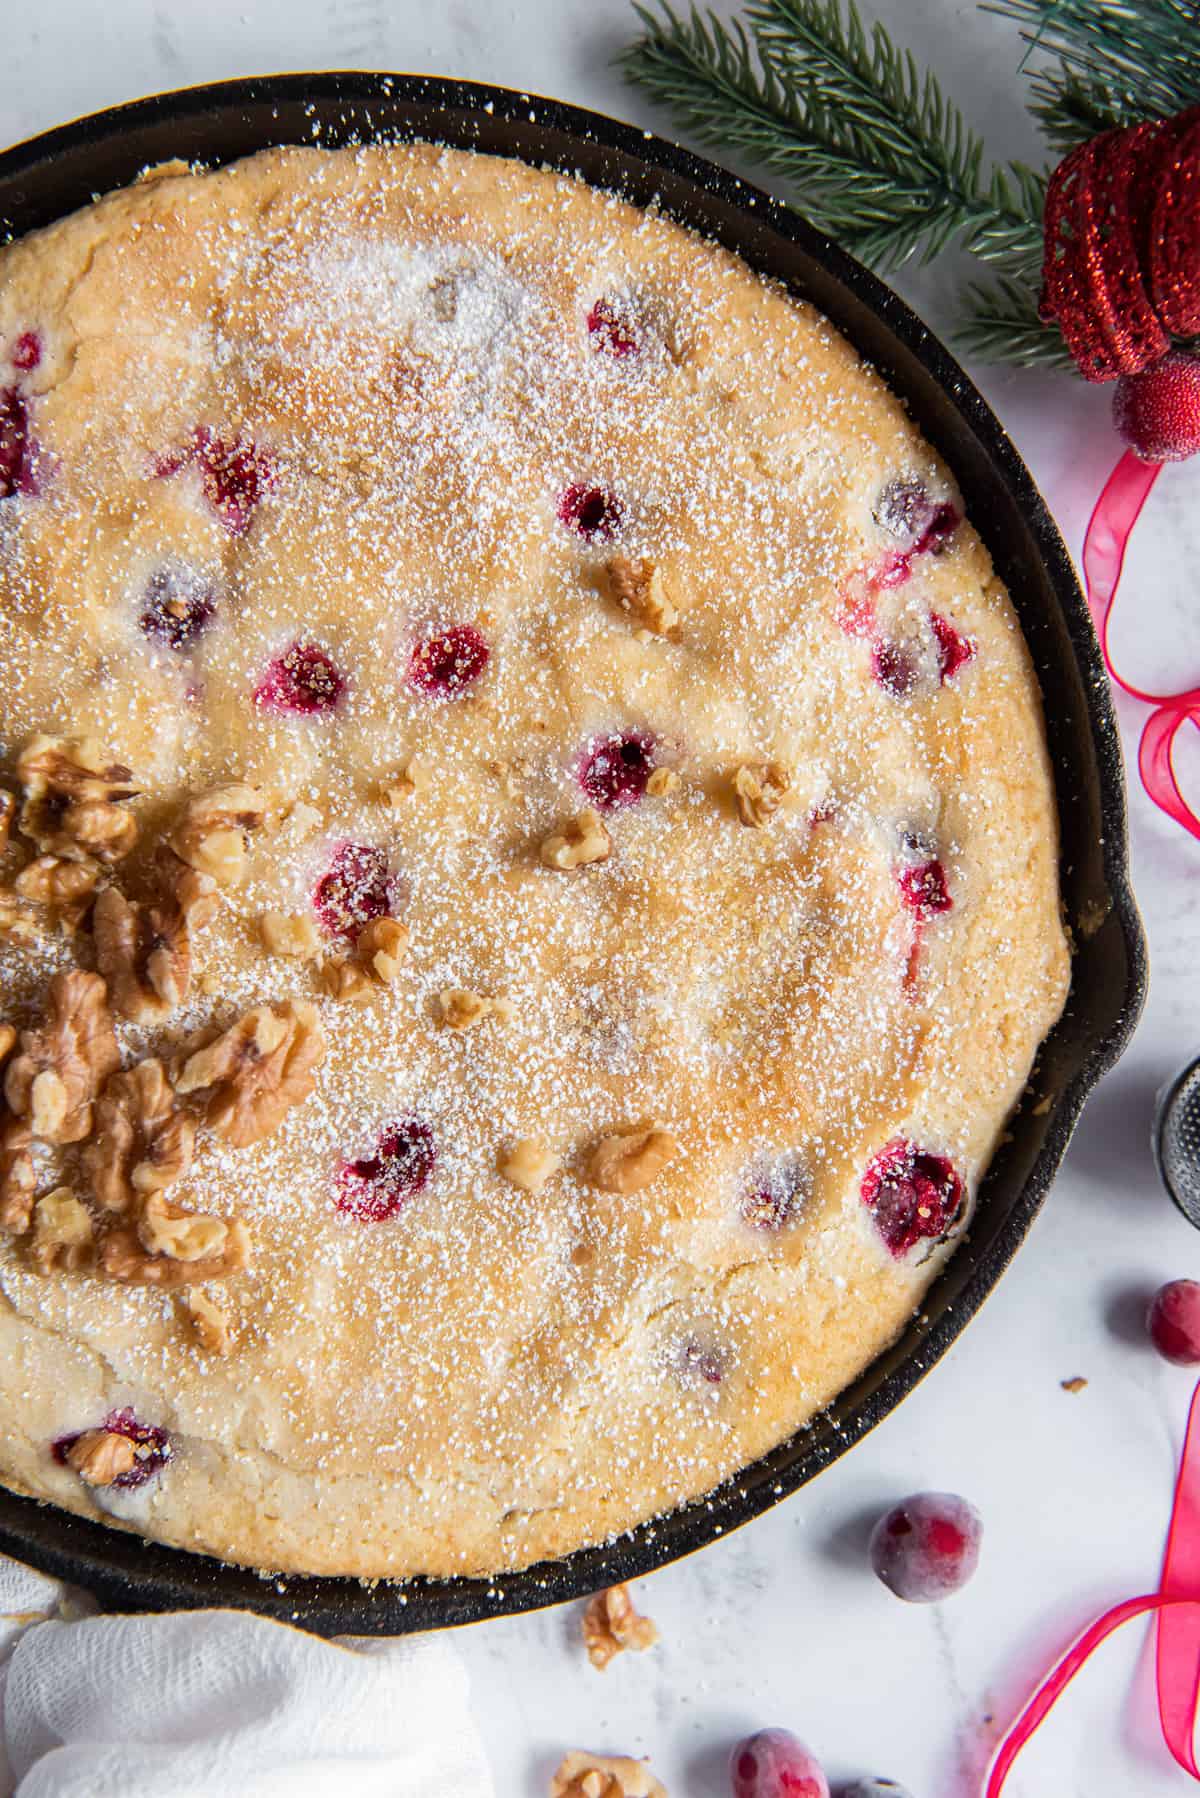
529,877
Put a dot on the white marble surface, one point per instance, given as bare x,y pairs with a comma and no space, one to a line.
782,1623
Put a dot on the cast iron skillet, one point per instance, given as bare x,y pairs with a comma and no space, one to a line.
54,174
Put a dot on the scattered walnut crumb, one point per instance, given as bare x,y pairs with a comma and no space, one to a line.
75,800
529,1164
257,1070
17,1179
143,1141
101,1456
460,1008
63,1236
211,834
1075,1384
125,1257
626,1162
290,933
380,945
758,790
209,1323
604,1776
62,1065
610,1625
639,587
410,782
167,1229
345,981
662,782
577,842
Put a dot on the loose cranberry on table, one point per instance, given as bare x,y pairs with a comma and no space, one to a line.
1157,411
1173,1321
927,1547
775,1764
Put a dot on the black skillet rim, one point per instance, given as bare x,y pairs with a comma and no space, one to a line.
128,1573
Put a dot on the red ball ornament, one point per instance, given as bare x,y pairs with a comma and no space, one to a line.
1157,411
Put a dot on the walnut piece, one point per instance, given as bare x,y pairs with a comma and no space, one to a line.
626,1162
74,799
380,945
144,953
409,783
640,589
345,981
211,835
62,1065
604,1776
143,1141
662,782
577,842
8,1040
758,790
167,1229
60,886
254,1072
21,920
291,934
17,1181
101,1456
529,1164
62,1232
460,1008
610,1625
209,1323
125,1257
8,816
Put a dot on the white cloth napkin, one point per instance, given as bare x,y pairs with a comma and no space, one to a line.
201,1703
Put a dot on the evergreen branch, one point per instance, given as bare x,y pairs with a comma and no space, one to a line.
1001,324
1144,53
1071,109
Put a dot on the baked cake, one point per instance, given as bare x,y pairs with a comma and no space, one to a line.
531,871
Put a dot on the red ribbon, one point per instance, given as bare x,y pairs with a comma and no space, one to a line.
1177,1604
1108,533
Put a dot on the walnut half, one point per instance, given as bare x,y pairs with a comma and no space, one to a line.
17,1180
61,1067
254,1072
62,1232
144,953
143,1141
74,799
626,1162
604,1776
611,1624
124,1255
211,834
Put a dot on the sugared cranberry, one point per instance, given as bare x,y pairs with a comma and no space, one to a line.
235,475
16,460
775,1764
1157,411
927,1547
593,512
27,351
873,1788
443,665
152,1447
776,1193
305,679
356,888
1173,1321
903,509
894,667
611,330
954,650
912,1193
924,889
616,769
379,1185
943,522
177,607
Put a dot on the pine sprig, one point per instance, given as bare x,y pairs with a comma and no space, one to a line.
886,163
1002,325
1145,54
1071,108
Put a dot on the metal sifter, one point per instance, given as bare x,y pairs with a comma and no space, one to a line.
1177,1140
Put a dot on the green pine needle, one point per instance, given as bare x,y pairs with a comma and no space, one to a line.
1001,324
1072,108
1144,53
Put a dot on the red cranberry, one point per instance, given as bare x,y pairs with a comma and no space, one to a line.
27,351
942,525
895,668
611,330
593,512
16,457
152,1445
701,1364
1173,1321
305,679
774,1764
913,1194
379,1185
616,769
903,509
924,889
445,664
776,1194
356,888
927,1547
234,475
177,607
954,650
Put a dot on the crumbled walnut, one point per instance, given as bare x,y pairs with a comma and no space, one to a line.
529,1164
345,981
409,783
74,803
125,1257
211,835
640,589
254,1072
167,1229
758,790
610,1624
17,1181
604,1776
62,1232
630,1160
301,822
577,842
290,933
144,953
460,1009
8,814
63,887
143,1141
208,1321
380,945
8,1038
20,919
662,782
101,1456
61,1066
